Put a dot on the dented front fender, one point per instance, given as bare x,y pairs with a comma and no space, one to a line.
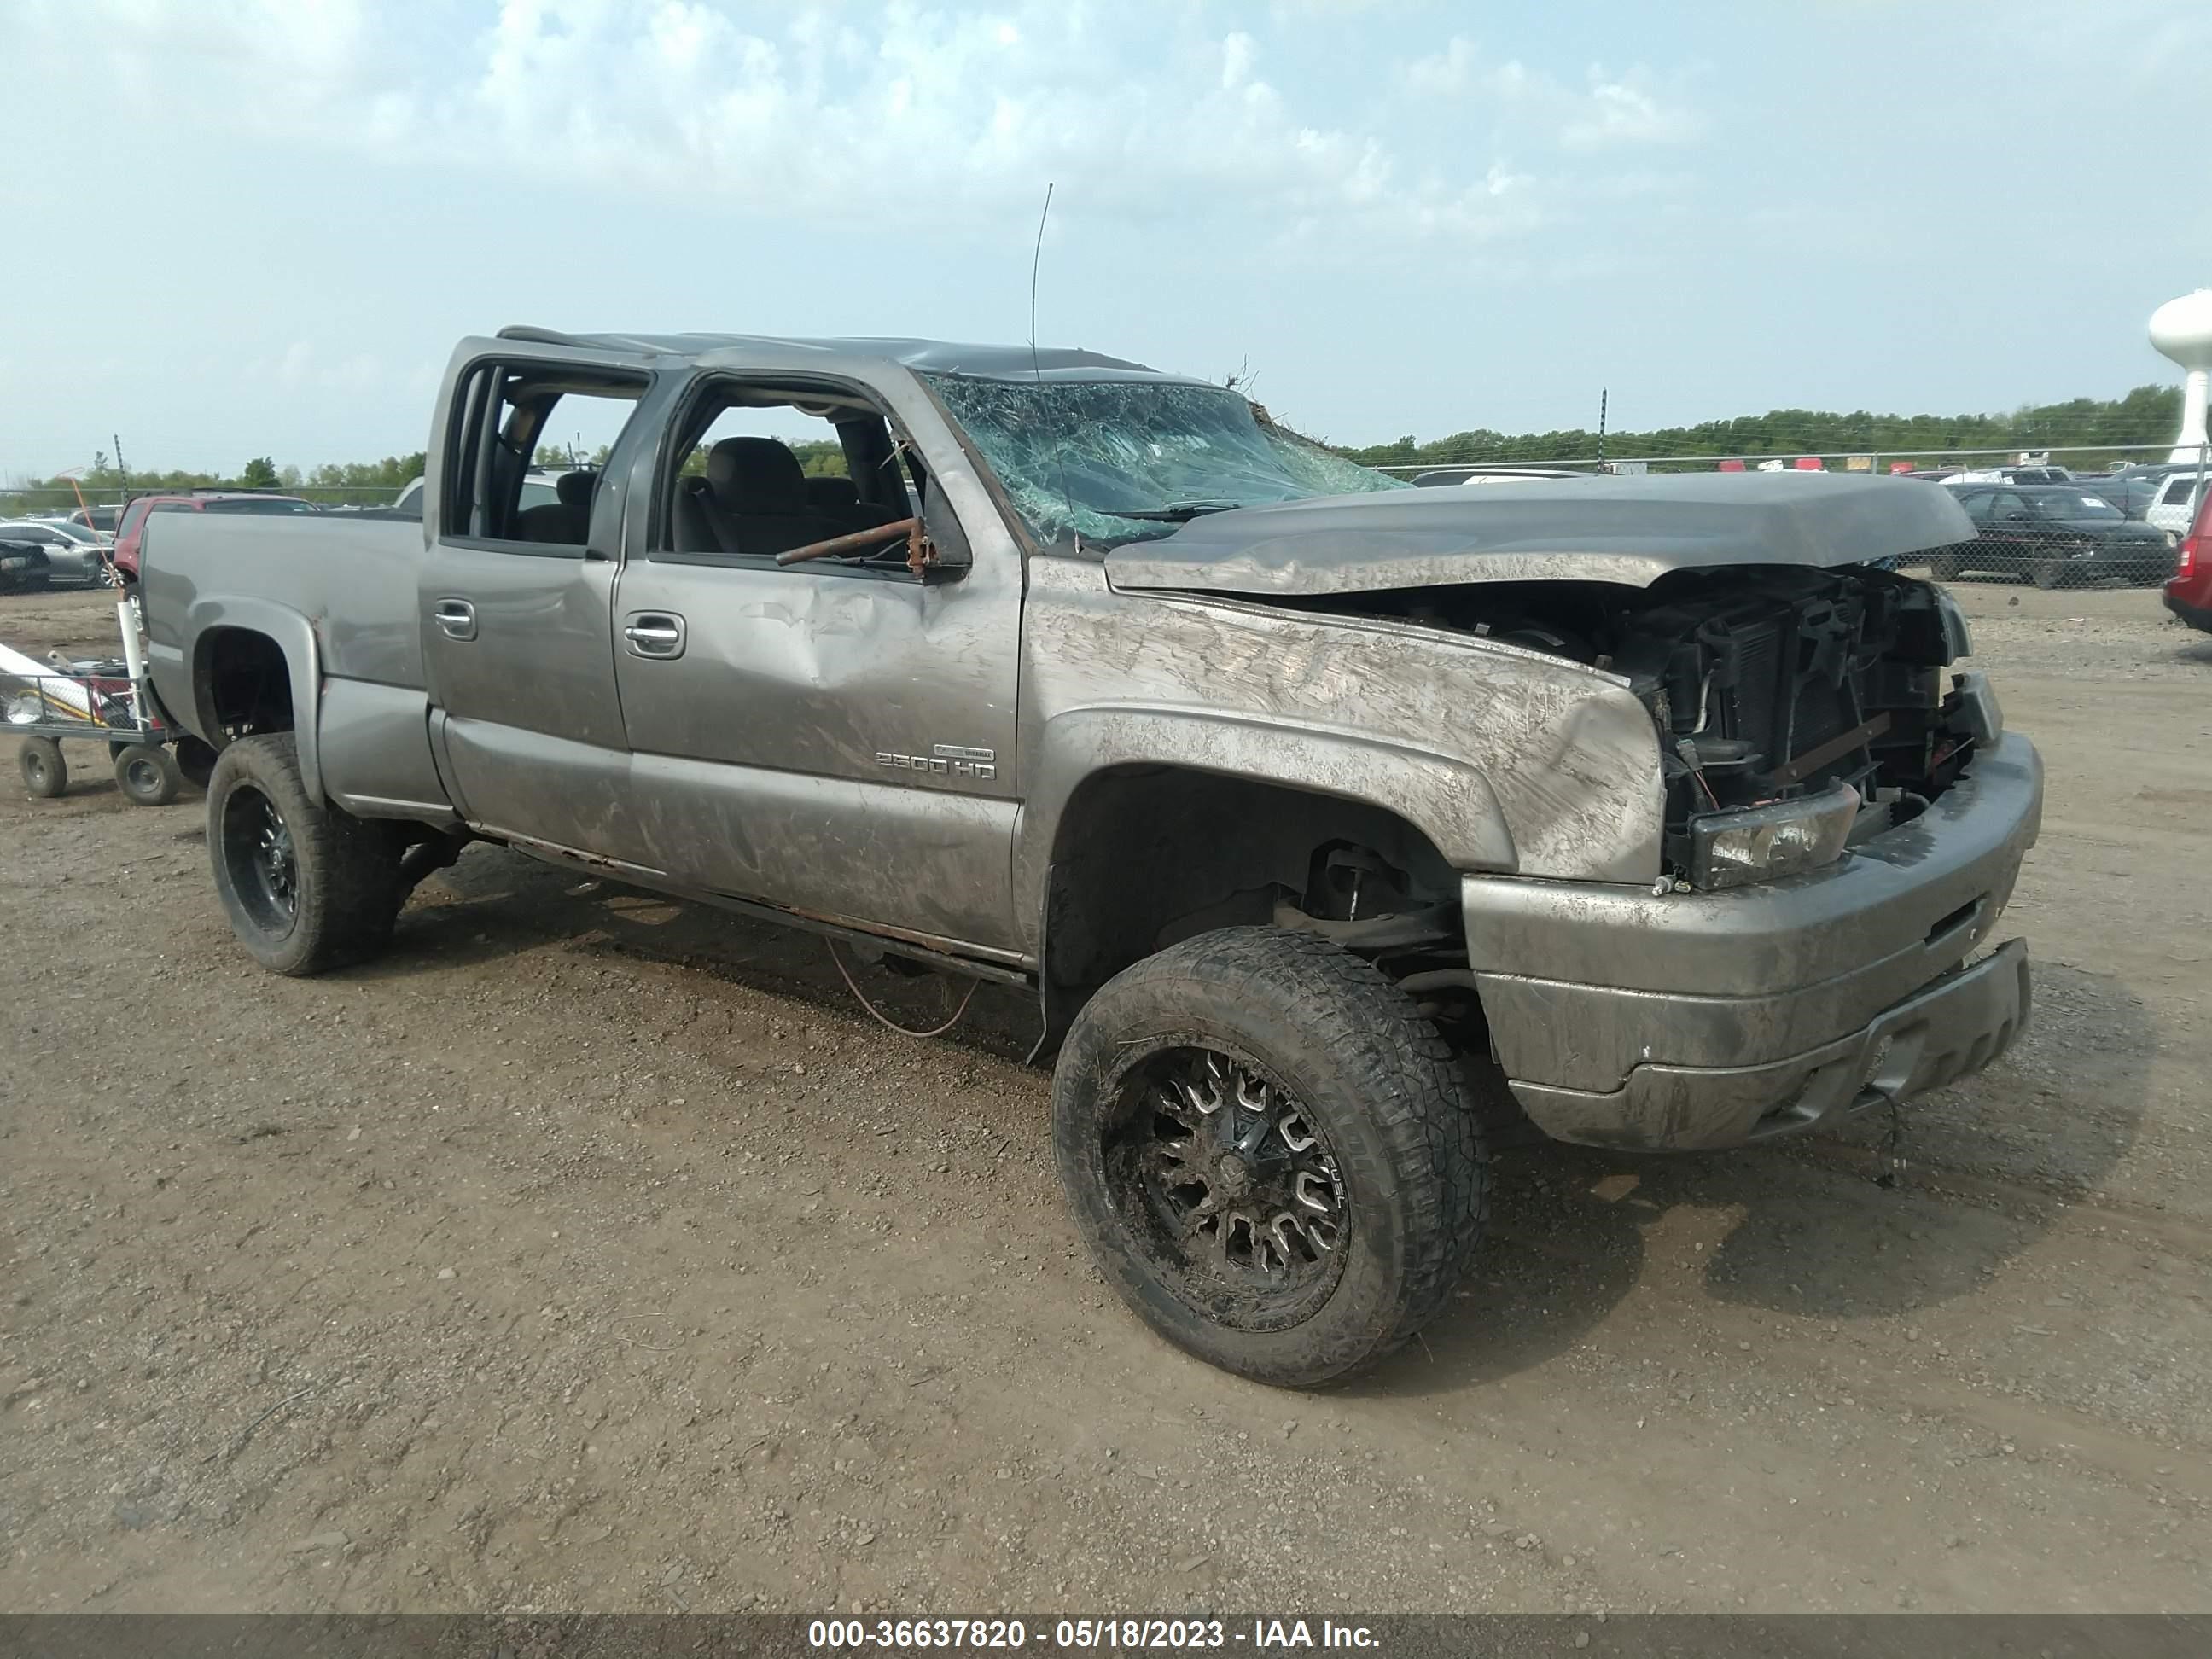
1510,760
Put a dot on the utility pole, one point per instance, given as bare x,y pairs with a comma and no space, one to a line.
121,470
1601,395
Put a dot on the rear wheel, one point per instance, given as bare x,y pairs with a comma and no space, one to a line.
1270,1153
147,774
46,774
1943,567
308,887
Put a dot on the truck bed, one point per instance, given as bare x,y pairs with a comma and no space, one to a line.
355,575
343,590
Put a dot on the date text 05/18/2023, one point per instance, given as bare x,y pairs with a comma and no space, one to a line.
1123,1634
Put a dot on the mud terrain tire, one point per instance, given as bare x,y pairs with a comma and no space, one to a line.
308,887
1322,1048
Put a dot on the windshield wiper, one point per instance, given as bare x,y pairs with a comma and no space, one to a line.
1174,511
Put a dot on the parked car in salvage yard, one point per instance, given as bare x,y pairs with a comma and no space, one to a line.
73,554
2054,535
24,565
143,507
2188,595
1332,822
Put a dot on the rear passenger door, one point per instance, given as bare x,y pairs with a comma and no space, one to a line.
835,737
516,633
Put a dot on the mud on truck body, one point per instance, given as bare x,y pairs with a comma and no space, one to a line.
1333,823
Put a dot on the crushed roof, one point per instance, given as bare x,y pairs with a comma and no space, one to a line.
1006,362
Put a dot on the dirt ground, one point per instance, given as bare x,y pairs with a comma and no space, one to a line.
593,1252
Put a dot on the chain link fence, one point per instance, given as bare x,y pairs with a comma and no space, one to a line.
2060,517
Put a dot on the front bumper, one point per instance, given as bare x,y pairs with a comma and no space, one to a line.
1954,1028
1675,1021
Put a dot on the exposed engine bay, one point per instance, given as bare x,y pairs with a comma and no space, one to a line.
1771,688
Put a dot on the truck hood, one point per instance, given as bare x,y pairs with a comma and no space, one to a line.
1629,530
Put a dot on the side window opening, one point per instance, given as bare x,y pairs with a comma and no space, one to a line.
765,469
525,456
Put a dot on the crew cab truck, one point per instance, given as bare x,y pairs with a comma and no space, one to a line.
1332,822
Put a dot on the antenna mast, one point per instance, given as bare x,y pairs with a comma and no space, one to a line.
1036,367
1036,254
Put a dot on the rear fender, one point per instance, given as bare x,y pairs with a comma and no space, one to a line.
294,635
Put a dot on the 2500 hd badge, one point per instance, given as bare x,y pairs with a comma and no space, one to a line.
946,759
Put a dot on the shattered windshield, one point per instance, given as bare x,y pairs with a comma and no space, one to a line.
1119,461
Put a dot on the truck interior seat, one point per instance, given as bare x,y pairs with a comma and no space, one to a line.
832,490
837,498
753,500
567,520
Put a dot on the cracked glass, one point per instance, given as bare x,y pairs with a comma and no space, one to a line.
1114,461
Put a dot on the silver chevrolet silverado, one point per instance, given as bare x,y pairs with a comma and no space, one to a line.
1337,826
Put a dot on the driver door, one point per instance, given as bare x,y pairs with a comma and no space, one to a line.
836,737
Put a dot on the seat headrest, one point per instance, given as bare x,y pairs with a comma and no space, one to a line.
575,489
756,474
833,490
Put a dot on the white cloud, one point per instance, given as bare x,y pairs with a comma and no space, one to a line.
882,116
1445,73
1627,109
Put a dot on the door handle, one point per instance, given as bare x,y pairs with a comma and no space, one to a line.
657,633
456,619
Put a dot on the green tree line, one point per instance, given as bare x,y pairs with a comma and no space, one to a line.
366,482
2147,414
362,481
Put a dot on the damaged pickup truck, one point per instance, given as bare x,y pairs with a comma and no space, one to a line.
1331,823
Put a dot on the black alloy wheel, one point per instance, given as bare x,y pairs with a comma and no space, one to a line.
261,859
1273,1157
308,886
1243,1207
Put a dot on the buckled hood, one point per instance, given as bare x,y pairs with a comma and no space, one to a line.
1625,530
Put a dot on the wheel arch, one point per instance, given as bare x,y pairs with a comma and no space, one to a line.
242,658
1175,828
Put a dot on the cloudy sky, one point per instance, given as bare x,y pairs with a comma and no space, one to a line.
247,227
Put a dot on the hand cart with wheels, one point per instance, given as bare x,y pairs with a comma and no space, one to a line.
100,700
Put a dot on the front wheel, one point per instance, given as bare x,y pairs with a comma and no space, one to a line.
1270,1153
2047,572
308,887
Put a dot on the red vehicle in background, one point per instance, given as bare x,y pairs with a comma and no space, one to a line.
2188,595
131,528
